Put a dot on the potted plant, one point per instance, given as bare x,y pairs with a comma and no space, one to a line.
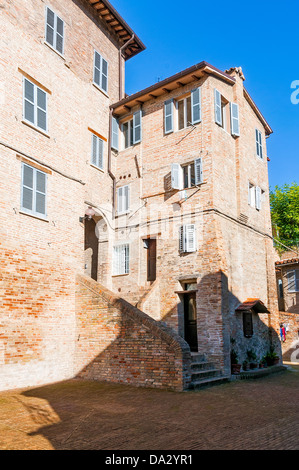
272,358
245,365
235,366
252,359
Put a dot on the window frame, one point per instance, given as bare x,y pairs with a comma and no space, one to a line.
34,190
35,106
123,204
187,123
121,268
259,144
130,123
55,31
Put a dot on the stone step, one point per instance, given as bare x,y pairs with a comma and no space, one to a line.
205,374
202,366
199,384
196,357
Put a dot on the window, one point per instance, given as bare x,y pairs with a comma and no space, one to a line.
181,113
54,31
121,260
97,152
132,130
259,146
293,281
187,176
35,105
100,73
255,196
123,200
188,238
33,198
225,112
247,324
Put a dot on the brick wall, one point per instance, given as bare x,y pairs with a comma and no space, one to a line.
116,342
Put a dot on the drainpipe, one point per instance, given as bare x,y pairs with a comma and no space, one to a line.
109,164
120,65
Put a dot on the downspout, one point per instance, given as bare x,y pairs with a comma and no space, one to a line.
120,65
109,164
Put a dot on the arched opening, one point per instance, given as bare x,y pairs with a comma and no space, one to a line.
91,249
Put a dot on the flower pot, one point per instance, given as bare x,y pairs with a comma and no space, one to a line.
276,361
236,369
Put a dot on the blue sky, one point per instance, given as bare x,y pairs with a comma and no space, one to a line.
260,36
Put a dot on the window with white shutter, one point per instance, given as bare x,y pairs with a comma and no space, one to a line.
100,72
35,104
187,176
97,152
115,134
54,31
123,200
121,260
234,117
33,193
259,144
188,238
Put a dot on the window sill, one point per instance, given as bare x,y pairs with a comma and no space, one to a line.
100,89
123,213
29,124
97,168
35,216
120,275
54,50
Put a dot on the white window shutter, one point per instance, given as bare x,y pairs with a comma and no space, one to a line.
190,236
258,196
50,27
100,153
137,127
59,35
97,72
218,112
196,105
234,117
120,200
168,116
126,196
177,181
104,78
115,134
198,171
259,145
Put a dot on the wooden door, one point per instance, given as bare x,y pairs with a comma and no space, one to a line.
190,316
152,260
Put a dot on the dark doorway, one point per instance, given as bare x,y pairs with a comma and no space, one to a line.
91,249
152,260
190,318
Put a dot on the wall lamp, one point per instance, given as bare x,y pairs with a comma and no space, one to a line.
89,213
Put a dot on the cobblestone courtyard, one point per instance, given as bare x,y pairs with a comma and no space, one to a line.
243,415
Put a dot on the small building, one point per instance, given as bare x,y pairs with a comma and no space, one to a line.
287,275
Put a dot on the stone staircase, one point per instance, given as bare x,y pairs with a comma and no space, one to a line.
204,373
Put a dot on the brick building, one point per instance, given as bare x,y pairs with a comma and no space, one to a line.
135,231
287,276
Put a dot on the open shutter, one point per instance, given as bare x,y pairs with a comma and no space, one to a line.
94,150
59,35
97,68
218,113
196,105
234,117
50,27
137,127
259,146
115,134
120,200
177,176
258,198
126,196
291,281
27,188
198,171
100,154
40,193
190,236
168,116
104,78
